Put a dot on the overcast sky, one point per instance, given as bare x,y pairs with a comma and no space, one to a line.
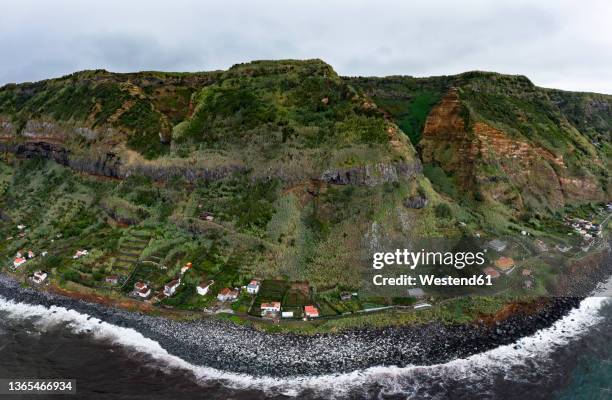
556,43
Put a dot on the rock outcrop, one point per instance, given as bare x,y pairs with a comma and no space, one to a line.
372,175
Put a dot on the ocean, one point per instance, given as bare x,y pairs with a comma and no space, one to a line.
570,360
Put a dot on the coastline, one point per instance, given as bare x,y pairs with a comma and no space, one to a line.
230,347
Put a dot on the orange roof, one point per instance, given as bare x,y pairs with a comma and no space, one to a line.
225,291
504,263
19,259
492,272
274,304
311,310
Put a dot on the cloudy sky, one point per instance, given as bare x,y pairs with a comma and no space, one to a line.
556,43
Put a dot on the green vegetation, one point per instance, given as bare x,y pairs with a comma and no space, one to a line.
229,171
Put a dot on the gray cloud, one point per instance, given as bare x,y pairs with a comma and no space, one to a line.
557,43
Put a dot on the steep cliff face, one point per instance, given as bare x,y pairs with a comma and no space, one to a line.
502,138
276,119
483,157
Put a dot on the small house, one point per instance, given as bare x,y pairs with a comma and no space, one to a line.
19,261
80,253
416,292
186,268
31,254
287,314
170,288
21,227
253,287
311,312
505,264
140,285
144,292
204,287
492,272
206,216
112,279
345,296
227,294
39,277
271,309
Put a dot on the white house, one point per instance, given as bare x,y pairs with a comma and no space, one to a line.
227,294
204,287
273,306
171,287
39,277
186,268
80,253
31,254
144,292
253,287
287,314
416,292
19,261
270,309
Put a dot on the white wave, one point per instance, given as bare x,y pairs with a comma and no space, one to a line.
391,379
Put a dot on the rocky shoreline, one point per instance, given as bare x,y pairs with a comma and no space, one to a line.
235,348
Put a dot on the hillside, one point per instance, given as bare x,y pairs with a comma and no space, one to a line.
500,140
287,172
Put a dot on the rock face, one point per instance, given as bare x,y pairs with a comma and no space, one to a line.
372,175
415,202
447,142
512,170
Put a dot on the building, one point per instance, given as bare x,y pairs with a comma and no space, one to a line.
31,254
186,268
19,261
416,292
39,277
204,287
497,245
206,216
271,309
311,312
504,264
287,314
144,292
170,288
112,279
492,272
253,287
345,296
80,253
227,294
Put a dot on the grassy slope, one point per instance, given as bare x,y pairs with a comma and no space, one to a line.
576,126
286,114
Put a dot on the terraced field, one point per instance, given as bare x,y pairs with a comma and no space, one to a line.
129,252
